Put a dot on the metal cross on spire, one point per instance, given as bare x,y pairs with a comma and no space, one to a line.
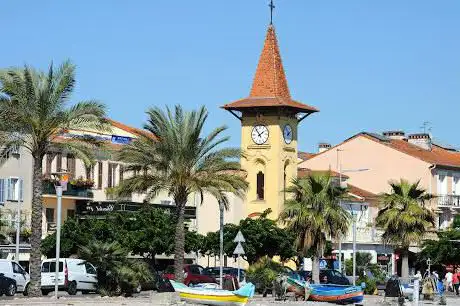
271,6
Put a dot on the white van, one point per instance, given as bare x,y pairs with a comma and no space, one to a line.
13,269
74,275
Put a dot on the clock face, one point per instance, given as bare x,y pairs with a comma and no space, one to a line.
259,134
287,134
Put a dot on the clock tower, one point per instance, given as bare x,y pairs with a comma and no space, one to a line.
269,119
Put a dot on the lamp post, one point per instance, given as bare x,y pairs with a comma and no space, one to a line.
339,167
17,155
61,179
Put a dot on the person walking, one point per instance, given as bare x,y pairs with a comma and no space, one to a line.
456,280
449,279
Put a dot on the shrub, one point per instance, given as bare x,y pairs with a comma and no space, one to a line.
263,273
371,285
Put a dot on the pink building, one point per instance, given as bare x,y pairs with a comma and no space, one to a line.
371,160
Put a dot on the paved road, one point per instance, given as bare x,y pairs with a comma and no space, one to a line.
154,298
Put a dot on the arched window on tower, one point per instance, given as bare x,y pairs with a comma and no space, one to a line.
260,185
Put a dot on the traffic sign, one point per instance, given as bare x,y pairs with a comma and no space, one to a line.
239,237
239,249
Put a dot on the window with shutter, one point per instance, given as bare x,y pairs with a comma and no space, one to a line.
71,165
2,191
59,162
21,190
99,175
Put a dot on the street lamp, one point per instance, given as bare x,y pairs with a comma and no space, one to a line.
60,184
339,166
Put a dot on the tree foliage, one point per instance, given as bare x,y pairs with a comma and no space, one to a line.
444,251
263,238
313,214
180,161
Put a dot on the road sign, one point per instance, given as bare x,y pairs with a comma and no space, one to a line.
322,264
239,237
239,249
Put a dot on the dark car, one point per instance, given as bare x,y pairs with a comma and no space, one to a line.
193,274
7,285
215,272
328,276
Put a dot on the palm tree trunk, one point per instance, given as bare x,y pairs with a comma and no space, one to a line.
315,269
36,222
179,247
405,264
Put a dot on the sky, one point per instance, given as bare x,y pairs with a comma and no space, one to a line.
367,65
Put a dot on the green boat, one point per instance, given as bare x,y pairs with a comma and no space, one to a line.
300,288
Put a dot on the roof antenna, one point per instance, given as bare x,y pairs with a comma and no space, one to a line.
426,127
271,6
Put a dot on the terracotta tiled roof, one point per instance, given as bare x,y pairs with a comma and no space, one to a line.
302,172
437,155
129,129
363,194
305,155
269,87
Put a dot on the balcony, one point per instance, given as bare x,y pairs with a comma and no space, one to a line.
364,235
72,190
449,201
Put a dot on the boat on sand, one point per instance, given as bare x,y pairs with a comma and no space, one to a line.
210,296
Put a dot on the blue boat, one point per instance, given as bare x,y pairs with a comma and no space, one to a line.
339,294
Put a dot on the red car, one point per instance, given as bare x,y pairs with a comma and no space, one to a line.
193,274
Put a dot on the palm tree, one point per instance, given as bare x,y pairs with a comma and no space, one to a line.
180,161
33,113
404,218
313,214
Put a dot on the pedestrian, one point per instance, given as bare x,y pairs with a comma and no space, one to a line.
456,280
449,278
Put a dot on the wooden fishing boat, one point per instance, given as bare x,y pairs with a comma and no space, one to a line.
336,293
300,288
207,296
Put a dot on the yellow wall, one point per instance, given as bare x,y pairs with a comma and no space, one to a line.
271,157
49,202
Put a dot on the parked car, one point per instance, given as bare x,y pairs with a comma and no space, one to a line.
193,274
215,272
74,275
328,276
7,285
13,270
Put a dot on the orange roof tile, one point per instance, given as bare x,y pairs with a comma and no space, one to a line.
364,194
437,156
269,87
129,129
305,155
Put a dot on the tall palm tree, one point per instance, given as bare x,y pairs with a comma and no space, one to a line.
313,214
404,218
180,161
34,111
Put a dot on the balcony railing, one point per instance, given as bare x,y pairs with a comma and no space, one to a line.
72,191
451,201
364,235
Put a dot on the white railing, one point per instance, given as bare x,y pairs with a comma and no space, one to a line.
365,235
451,201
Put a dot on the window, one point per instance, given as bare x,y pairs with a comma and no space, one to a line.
46,267
121,170
442,183
59,162
111,175
260,185
456,184
49,215
99,175
13,189
70,213
53,266
2,191
89,268
49,161
17,268
71,165
89,172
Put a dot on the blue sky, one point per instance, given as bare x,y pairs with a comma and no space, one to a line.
367,65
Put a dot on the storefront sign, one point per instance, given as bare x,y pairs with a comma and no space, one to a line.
121,139
383,257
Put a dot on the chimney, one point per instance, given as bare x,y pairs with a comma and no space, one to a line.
421,140
399,135
323,146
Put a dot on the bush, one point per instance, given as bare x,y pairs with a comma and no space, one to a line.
371,285
263,273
